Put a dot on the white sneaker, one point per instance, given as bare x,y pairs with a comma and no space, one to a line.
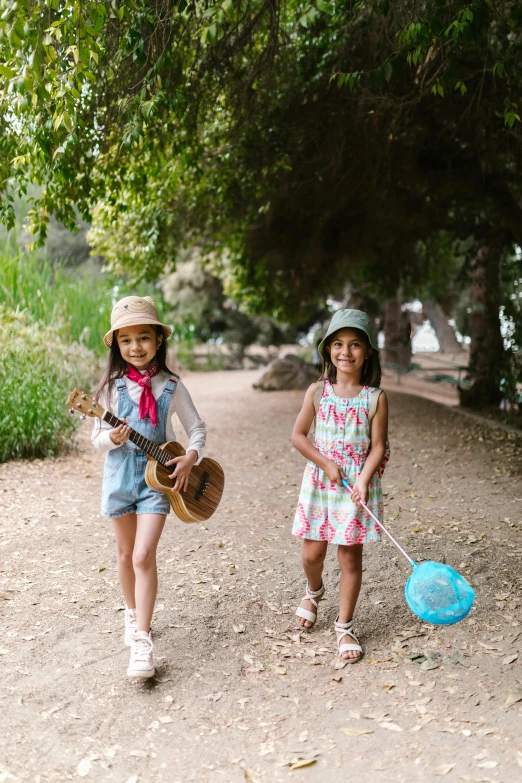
130,625
141,659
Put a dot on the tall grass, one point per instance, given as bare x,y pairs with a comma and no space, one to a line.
52,322
37,370
51,293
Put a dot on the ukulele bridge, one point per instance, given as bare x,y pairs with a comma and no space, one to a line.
202,486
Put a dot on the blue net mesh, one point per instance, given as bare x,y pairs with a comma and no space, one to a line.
438,594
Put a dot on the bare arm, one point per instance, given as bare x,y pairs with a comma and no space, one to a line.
304,446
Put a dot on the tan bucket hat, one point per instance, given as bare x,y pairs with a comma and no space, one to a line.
131,311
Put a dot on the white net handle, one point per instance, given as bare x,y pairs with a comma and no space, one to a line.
399,547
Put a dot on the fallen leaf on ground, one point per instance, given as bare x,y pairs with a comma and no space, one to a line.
166,719
489,646
238,628
213,696
302,763
513,698
387,687
433,661
487,764
443,769
454,659
415,656
356,732
280,669
390,726
510,659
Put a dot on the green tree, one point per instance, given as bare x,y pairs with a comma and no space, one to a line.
220,125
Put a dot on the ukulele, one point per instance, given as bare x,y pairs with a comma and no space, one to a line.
206,481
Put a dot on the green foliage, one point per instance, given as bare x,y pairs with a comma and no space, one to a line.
80,300
202,313
215,123
37,371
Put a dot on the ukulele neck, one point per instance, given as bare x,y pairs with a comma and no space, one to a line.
143,443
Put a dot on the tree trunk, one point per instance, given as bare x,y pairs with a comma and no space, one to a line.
397,342
439,320
487,347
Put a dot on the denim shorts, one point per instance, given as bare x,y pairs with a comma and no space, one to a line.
125,490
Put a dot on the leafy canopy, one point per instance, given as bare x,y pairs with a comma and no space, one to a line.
283,137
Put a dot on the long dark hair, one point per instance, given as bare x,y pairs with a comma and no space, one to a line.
117,366
371,369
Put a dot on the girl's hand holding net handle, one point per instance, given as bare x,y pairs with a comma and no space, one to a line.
359,493
333,472
399,547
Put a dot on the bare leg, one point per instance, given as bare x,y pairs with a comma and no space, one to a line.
314,553
350,560
149,530
125,534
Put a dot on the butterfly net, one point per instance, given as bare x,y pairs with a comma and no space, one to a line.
438,594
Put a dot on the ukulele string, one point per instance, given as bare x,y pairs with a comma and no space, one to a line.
140,440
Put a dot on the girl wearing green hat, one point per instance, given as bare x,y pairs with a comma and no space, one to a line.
350,442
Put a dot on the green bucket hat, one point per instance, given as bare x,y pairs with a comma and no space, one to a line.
349,319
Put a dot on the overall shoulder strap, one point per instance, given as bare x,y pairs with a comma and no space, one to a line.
374,399
171,384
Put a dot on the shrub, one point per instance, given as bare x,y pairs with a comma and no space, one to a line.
37,370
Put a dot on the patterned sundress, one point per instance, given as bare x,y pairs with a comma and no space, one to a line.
325,511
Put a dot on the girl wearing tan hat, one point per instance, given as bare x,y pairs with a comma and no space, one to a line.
139,388
350,443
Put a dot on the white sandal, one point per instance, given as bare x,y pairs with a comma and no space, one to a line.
346,627
314,596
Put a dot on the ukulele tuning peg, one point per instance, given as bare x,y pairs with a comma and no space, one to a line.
90,410
83,417
79,405
83,397
71,411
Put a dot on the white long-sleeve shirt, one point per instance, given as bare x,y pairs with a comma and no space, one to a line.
180,403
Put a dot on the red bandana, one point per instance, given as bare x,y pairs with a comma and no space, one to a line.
147,400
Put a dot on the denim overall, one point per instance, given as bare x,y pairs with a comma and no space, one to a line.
124,488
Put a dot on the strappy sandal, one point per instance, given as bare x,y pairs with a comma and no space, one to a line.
314,596
346,627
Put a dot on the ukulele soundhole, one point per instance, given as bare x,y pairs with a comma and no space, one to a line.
202,486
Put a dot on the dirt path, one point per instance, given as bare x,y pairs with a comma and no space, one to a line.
240,694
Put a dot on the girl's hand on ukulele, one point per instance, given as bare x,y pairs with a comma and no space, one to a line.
334,472
120,434
360,493
182,471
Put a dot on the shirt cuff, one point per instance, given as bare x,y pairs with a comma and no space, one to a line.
103,441
199,452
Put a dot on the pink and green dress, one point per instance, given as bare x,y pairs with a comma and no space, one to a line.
325,511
